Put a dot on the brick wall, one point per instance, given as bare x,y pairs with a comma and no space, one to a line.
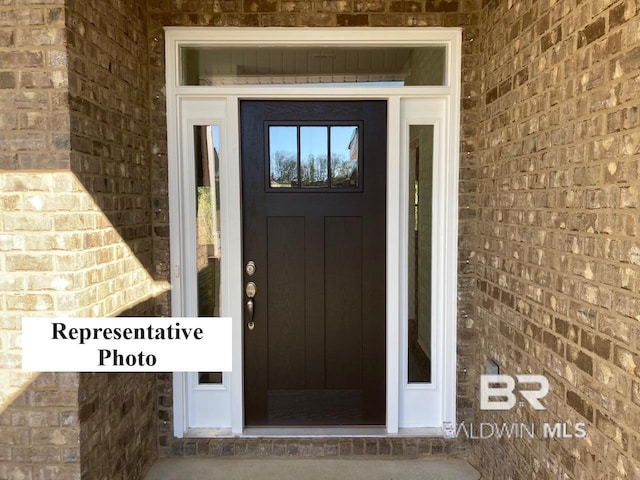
75,229
34,117
549,163
118,427
60,256
336,13
557,256
109,104
39,430
38,427
108,96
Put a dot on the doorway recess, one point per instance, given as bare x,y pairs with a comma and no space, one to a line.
416,74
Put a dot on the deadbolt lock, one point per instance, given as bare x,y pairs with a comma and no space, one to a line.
250,268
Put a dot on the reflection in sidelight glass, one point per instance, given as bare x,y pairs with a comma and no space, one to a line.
283,156
313,156
208,252
419,261
344,156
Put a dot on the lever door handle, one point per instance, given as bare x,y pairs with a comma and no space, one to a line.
250,290
251,324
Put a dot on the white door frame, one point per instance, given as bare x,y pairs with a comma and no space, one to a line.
190,105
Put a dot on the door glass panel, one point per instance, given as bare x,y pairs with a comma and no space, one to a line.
344,156
283,157
208,253
313,156
298,157
419,281
389,66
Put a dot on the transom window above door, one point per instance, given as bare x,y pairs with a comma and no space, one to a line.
389,66
314,157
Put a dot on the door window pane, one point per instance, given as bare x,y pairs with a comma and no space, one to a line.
344,156
313,156
283,157
420,212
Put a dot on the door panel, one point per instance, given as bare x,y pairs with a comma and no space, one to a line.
314,224
286,304
343,299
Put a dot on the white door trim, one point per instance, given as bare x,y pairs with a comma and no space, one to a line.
445,270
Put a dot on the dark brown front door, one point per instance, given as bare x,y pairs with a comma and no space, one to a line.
313,192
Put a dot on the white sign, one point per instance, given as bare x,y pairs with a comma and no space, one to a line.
126,344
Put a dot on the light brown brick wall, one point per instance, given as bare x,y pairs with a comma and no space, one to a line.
108,96
549,145
34,117
39,428
118,426
336,13
110,131
38,421
558,252
75,229
60,256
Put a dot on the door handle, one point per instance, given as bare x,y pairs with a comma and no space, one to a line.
250,290
251,323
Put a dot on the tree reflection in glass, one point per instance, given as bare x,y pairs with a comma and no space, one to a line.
283,152
344,156
313,156
298,156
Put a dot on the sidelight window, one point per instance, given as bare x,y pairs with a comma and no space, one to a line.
208,251
419,252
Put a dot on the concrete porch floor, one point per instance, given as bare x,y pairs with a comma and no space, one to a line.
318,468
